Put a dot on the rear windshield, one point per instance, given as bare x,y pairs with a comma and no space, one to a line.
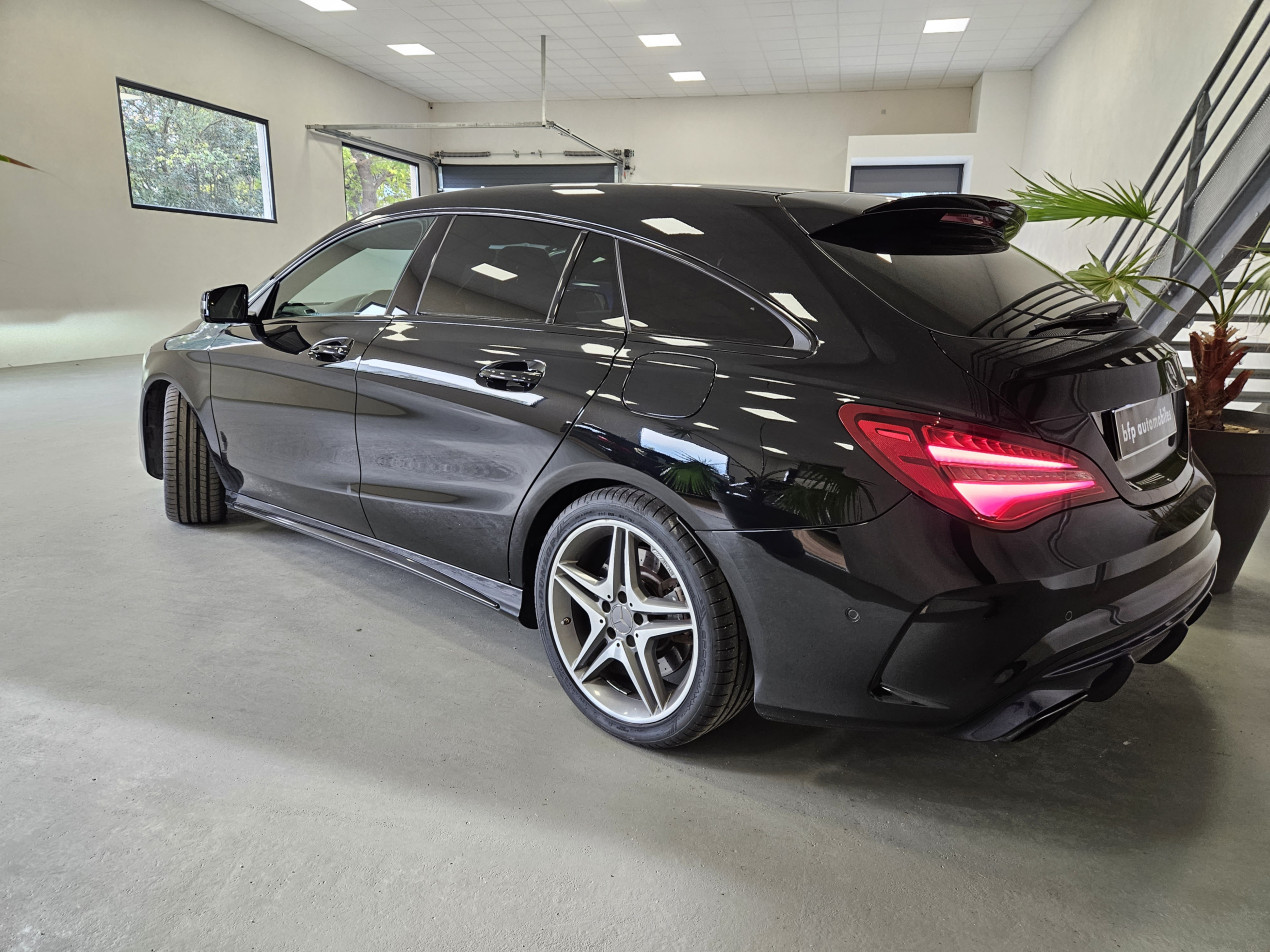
1002,294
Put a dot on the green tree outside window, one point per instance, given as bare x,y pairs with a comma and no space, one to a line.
186,156
372,181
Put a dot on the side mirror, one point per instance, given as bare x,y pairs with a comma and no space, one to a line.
227,305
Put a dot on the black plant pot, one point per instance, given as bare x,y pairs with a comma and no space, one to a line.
1240,466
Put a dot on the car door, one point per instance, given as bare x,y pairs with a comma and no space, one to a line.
462,404
284,390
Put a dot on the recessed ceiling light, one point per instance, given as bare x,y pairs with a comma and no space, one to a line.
659,39
577,191
956,25
329,6
410,49
689,76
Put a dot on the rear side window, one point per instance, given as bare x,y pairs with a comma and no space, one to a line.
356,275
1003,294
668,297
505,268
593,298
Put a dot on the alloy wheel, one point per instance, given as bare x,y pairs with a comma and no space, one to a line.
622,621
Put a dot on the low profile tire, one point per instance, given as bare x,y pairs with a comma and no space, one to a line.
639,625
192,491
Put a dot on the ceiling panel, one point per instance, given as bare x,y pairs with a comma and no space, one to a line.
488,51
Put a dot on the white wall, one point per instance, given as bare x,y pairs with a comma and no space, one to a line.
990,149
791,140
82,273
1108,97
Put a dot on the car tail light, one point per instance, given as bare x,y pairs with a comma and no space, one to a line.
989,476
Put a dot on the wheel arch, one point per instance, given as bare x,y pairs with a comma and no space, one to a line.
551,496
152,424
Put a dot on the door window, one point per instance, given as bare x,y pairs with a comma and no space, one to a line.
354,276
673,299
592,298
492,267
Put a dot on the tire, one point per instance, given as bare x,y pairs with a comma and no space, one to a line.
661,661
192,491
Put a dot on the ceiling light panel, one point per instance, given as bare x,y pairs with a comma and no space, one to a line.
659,39
956,25
411,49
329,6
688,76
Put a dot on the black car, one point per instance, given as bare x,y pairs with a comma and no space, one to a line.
850,459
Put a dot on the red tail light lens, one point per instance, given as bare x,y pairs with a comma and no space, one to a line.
989,476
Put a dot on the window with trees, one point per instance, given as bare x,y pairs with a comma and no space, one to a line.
372,180
189,156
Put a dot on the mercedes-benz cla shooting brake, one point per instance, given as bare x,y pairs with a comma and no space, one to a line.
850,460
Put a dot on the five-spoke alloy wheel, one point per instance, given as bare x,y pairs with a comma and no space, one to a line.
638,622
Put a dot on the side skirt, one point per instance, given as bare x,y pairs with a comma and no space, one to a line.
506,598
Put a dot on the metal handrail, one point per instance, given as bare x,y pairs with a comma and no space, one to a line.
1183,181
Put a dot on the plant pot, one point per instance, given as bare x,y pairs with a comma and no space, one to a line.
1240,466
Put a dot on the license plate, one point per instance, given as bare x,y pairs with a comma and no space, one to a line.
1141,426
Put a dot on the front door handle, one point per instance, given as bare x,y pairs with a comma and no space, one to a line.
331,350
516,375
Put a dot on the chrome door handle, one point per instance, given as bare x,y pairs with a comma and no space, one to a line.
331,350
517,375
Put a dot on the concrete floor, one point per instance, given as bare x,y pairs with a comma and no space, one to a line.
238,738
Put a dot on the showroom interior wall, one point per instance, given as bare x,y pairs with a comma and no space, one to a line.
990,149
82,273
1108,97
795,139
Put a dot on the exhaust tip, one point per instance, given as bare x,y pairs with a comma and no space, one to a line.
1111,680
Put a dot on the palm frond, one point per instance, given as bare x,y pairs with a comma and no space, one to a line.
1062,201
1125,282
13,161
1251,293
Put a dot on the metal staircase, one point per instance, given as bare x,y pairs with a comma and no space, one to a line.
1212,186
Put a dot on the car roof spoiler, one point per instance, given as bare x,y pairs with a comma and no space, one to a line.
929,224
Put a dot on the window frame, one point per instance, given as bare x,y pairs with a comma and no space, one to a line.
261,303
911,166
802,340
438,317
805,341
416,178
266,179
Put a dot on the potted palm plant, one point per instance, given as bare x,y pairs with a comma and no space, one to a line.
1233,445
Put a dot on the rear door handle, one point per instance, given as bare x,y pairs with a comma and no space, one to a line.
331,350
517,375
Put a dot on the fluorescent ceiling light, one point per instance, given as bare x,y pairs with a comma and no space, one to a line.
490,271
409,49
659,39
577,191
689,76
329,6
956,25
672,226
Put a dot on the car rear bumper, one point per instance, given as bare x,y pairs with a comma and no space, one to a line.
917,619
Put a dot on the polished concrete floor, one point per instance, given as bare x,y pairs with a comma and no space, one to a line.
235,737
